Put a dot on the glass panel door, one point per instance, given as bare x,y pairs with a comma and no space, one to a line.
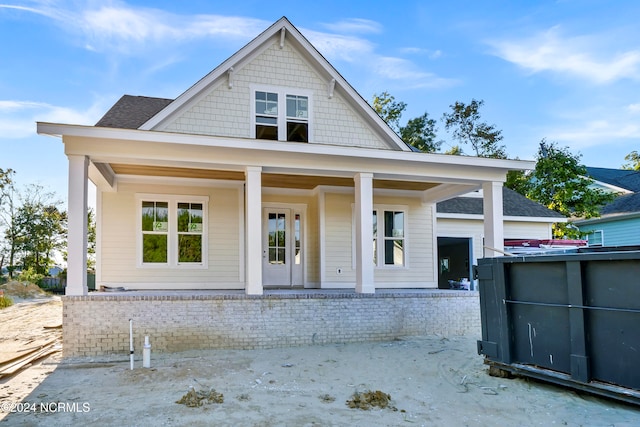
277,256
277,236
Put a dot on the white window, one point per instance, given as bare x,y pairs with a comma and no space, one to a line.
388,237
281,114
596,238
266,115
389,248
172,231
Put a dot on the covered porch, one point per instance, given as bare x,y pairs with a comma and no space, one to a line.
261,169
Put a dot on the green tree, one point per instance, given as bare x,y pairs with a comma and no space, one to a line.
419,132
389,109
35,229
8,212
454,151
91,239
559,182
633,159
5,179
5,189
464,123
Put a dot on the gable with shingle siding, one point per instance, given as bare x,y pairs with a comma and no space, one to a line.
226,111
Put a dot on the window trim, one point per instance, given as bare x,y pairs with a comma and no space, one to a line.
282,109
380,239
594,232
172,234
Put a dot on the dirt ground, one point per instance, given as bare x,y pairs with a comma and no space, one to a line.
429,380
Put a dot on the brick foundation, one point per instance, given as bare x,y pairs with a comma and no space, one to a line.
98,324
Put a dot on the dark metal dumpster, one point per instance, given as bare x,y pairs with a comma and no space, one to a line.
569,319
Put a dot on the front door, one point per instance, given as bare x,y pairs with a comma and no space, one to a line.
282,243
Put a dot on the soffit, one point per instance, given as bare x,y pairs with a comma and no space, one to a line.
275,180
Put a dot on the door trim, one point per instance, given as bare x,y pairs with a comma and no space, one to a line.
294,208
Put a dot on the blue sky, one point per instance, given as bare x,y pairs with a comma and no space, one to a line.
567,70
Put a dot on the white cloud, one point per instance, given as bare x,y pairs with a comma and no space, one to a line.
634,108
596,129
117,28
11,106
125,29
18,119
357,50
355,25
431,54
346,48
403,70
587,57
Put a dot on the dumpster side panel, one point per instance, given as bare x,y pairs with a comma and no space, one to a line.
537,306
613,319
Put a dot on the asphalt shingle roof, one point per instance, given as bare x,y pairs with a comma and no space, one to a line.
514,204
131,112
627,203
627,179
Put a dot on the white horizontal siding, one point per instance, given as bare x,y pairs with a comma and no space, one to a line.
419,270
119,239
338,238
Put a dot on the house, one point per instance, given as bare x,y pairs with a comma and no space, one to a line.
460,230
270,172
619,221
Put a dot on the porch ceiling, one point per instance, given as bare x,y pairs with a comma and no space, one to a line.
276,180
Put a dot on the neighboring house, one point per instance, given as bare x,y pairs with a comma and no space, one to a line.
619,221
272,171
55,271
460,230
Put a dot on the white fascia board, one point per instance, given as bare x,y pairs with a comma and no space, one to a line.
250,51
351,95
547,220
56,129
610,187
608,218
200,87
111,144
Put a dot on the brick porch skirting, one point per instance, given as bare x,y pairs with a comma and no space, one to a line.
98,324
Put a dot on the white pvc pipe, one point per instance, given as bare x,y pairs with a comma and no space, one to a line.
146,353
131,342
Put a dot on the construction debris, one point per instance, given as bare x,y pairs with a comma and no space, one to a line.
30,331
194,399
23,360
369,399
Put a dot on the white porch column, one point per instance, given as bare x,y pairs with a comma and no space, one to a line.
253,224
493,219
77,226
364,233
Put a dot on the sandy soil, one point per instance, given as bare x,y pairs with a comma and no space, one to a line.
431,381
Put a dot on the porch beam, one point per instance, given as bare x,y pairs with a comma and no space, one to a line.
446,191
103,176
493,219
253,232
77,226
364,232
